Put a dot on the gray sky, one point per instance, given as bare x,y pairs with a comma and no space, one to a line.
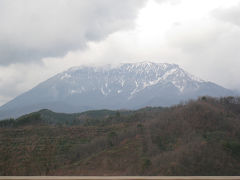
43,37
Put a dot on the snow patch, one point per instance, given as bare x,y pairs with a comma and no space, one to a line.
103,92
73,91
179,86
168,73
119,91
151,83
65,76
122,83
194,78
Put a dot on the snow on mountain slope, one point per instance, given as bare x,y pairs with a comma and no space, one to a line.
125,86
139,75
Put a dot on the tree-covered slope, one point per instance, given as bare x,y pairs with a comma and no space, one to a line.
200,137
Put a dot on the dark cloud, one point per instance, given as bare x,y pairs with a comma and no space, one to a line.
31,30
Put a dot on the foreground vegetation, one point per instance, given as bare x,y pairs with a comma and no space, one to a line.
200,137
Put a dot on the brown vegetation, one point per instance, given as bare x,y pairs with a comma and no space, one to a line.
199,137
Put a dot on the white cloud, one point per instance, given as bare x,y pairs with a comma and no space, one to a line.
229,15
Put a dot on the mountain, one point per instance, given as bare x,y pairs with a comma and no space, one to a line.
127,86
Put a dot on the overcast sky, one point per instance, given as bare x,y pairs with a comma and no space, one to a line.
43,37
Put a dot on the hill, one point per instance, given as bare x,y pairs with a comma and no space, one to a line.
199,137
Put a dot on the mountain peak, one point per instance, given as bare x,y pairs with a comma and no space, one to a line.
143,64
161,71
149,64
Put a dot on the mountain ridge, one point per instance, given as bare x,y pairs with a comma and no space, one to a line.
128,86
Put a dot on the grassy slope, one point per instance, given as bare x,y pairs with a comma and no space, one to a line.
199,138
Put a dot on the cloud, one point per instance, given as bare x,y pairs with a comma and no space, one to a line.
31,30
229,15
209,47
172,2
17,78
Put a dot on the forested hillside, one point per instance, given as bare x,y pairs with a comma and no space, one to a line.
199,137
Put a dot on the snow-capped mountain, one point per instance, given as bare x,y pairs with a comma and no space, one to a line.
127,86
